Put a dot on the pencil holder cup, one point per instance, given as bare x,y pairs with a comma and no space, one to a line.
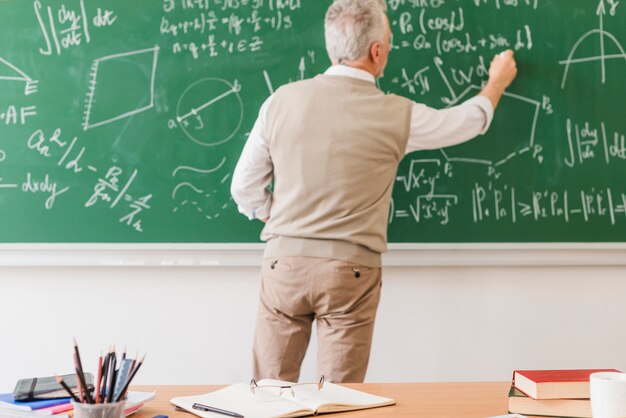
99,410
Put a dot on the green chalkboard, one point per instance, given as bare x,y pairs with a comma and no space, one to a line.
122,121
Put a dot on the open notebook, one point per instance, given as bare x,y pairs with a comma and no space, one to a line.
238,398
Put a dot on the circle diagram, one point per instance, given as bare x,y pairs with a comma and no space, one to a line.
210,111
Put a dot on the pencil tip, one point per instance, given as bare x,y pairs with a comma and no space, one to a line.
75,343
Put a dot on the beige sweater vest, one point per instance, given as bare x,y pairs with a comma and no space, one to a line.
335,144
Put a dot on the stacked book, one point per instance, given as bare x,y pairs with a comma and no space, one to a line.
60,407
552,393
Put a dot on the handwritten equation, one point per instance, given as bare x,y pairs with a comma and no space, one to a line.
68,155
68,25
434,189
228,27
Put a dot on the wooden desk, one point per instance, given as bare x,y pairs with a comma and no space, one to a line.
414,400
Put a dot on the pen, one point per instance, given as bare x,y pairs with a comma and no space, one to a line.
206,408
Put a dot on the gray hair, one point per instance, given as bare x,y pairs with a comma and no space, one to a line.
352,26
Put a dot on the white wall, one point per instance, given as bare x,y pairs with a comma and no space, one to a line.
196,324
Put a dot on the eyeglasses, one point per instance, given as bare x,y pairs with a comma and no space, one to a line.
297,391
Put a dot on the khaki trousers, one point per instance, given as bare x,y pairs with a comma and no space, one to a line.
342,297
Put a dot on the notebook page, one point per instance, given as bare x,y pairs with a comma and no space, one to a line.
333,397
238,398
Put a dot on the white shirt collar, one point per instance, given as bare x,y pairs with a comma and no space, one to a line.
345,71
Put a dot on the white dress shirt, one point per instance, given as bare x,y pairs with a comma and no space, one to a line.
430,129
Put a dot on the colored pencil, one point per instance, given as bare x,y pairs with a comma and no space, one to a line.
83,391
80,373
79,387
99,378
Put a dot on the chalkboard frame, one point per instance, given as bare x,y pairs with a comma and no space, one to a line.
251,255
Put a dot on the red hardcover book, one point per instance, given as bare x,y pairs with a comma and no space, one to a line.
555,384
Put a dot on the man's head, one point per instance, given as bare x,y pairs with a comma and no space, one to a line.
358,34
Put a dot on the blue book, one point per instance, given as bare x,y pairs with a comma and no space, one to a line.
7,401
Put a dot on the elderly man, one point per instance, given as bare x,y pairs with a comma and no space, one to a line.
331,146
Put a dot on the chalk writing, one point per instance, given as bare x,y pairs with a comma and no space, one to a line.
9,72
109,189
65,26
514,205
603,36
137,206
309,58
143,62
167,91
72,153
448,35
205,100
232,27
587,141
17,116
201,198
46,186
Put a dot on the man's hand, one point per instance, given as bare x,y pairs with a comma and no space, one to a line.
502,72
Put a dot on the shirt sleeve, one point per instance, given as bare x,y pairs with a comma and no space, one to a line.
254,171
432,128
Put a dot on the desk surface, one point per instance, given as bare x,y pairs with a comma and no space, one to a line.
415,400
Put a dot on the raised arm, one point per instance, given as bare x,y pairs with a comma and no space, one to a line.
440,128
